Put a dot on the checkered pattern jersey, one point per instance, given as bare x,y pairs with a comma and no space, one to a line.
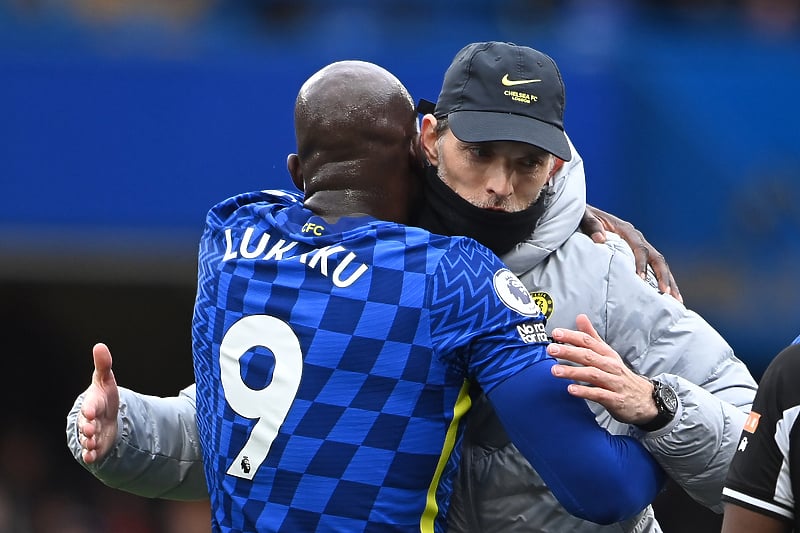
765,471
332,362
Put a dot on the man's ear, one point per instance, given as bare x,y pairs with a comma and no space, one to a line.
293,164
428,139
557,164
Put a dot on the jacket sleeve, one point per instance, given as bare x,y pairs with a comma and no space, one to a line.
157,453
697,450
596,476
659,337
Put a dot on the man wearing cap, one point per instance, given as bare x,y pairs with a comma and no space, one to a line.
499,116
497,150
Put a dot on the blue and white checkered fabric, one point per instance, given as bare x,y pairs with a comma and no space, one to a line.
390,322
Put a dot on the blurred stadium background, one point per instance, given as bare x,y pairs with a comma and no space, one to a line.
122,121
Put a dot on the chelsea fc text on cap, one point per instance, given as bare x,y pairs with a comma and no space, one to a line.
496,91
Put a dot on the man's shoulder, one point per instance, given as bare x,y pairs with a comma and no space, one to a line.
579,266
455,246
261,197
584,276
612,259
253,199
614,245
785,366
580,249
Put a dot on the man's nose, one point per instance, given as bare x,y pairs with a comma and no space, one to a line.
499,180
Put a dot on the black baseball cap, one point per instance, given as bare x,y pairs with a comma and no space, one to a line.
495,91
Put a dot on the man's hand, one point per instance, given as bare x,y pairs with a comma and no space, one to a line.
627,396
596,222
97,421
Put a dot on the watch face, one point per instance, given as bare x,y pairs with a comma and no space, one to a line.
667,404
669,398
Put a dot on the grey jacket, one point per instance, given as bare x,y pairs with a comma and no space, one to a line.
157,453
568,274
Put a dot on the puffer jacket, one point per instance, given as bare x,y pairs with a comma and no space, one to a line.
157,453
658,337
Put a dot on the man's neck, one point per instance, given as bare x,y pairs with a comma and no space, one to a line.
334,204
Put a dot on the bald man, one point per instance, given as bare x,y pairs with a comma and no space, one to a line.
334,346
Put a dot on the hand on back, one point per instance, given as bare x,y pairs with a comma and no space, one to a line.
596,222
626,395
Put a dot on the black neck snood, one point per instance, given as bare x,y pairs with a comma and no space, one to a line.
446,213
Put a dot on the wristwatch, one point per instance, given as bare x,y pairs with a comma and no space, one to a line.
667,404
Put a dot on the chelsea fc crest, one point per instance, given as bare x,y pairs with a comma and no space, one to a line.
544,301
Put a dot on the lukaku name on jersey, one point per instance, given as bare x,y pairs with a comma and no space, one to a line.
333,360
245,248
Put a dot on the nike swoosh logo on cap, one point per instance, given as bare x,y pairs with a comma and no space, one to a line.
510,83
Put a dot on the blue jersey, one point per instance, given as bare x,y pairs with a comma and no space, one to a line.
332,361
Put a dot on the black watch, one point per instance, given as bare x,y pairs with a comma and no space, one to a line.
667,404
